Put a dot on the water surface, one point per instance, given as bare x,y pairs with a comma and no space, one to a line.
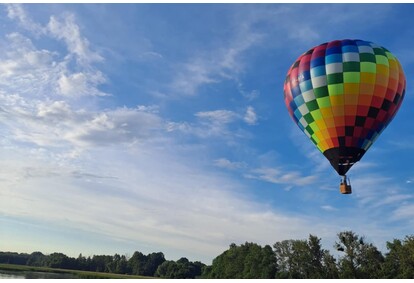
6,274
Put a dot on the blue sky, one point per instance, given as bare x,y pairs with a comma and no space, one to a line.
163,128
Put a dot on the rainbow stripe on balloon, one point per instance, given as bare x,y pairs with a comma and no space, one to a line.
342,94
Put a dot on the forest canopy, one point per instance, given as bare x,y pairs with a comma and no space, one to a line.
299,259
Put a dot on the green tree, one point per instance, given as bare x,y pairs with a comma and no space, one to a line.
167,269
146,265
181,269
246,261
14,258
330,269
153,260
58,260
322,264
399,261
122,265
304,259
137,263
102,263
292,258
196,269
37,259
81,263
360,260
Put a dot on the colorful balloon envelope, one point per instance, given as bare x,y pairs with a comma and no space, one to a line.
342,95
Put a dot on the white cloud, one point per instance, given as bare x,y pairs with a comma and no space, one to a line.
250,117
72,85
192,76
249,95
122,125
78,84
47,72
55,123
148,55
143,196
280,176
24,69
366,188
58,109
305,34
22,62
178,126
329,208
222,63
308,149
64,28
211,124
16,12
403,143
218,116
67,30
227,164
403,212
393,198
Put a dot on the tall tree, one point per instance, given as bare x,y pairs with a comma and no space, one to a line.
102,263
167,269
330,269
360,260
153,260
304,259
137,263
58,260
181,269
146,265
36,259
81,263
246,261
399,261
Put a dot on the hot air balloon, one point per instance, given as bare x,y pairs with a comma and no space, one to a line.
342,94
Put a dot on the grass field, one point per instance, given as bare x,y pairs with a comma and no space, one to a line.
78,273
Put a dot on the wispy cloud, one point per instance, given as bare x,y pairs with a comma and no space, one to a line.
193,75
50,71
67,30
222,63
404,212
221,123
16,12
280,176
250,117
405,143
328,208
227,164
64,29
55,123
218,116
154,202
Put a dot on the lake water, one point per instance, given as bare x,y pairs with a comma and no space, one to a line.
5,274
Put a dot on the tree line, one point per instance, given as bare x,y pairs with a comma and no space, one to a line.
153,264
306,259
299,259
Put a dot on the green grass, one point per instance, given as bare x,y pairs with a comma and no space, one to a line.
80,273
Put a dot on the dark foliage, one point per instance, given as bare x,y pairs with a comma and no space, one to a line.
246,261
180,269
288,259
